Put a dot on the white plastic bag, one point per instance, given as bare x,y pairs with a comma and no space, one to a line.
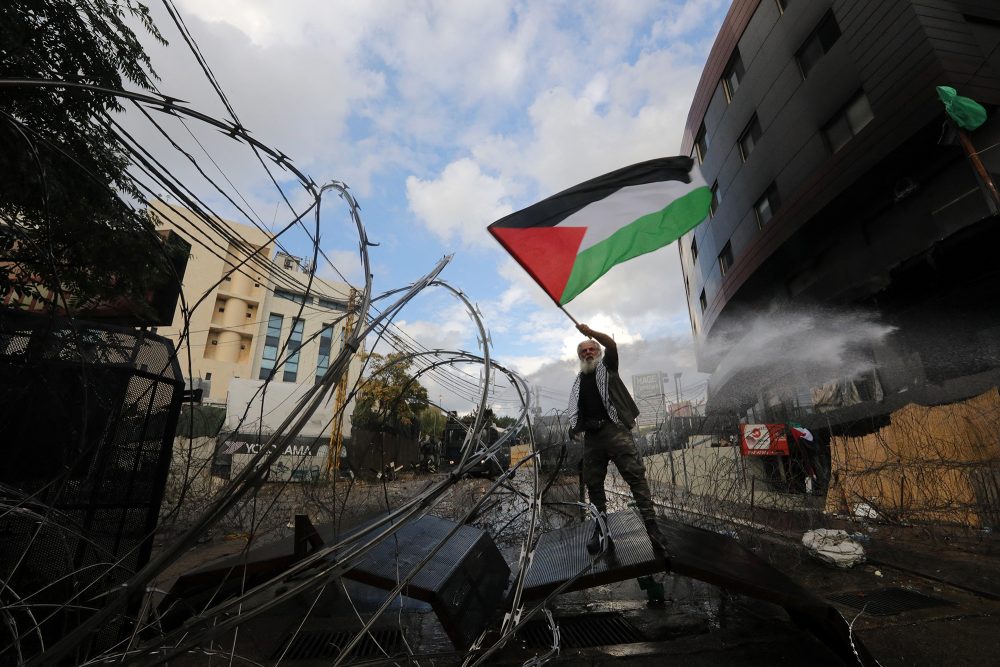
834,547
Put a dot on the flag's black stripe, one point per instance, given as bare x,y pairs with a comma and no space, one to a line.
553,210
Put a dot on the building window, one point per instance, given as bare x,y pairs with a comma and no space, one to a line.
703,301
291,364
733,75
848,122
290,296
330,304
714,205
694,249
726,257
325,343
222,309
208,376
271,342
701,144
687,287
749,138
818,43
767,205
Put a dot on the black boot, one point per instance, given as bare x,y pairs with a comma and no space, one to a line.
594,544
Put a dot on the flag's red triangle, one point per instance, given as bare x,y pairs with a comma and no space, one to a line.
546,253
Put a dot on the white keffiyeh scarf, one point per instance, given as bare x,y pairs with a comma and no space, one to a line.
602,389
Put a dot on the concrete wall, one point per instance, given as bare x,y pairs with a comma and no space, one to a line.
708,478
278,401
267,511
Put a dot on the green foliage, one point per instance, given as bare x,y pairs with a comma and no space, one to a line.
432,421
198,421
488,418
66,221
390,401
506,422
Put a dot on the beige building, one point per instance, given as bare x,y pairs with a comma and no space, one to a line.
240,320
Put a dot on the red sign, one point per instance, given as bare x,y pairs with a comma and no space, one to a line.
763,439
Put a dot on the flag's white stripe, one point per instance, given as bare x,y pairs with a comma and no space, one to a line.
603,218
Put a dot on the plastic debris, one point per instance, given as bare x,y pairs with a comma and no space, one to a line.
865,511
834,547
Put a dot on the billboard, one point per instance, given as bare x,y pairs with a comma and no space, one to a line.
303,459
763,439
647,390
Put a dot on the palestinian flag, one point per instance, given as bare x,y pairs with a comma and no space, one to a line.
571,239
800,432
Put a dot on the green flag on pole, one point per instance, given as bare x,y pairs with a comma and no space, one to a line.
967,113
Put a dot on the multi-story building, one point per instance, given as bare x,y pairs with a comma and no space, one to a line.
839,181
313,323
247,310
225,285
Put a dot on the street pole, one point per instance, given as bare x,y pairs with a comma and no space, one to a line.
337,433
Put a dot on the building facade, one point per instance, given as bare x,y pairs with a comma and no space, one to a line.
253,315
839,183
220,308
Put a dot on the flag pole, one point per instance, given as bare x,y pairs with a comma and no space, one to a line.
568,315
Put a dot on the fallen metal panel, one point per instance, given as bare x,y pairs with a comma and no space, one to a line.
327,644
888,601
697,553
464,582
602,629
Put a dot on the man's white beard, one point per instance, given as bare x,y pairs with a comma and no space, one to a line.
591,365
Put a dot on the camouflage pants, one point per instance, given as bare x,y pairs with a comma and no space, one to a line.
614,443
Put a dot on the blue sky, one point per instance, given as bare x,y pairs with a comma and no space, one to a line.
444,116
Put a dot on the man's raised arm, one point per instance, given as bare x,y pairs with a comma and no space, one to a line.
606,341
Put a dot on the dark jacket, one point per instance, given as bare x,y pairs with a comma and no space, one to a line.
614,394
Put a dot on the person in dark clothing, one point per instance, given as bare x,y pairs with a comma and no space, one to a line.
602,409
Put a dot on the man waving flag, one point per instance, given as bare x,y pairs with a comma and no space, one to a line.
571,239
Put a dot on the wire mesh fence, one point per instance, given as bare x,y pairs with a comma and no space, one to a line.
89,414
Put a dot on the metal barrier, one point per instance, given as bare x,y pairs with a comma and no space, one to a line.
89,414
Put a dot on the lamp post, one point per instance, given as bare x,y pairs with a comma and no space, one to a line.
677,386
668,428
664,379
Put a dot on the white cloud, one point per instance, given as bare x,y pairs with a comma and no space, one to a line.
345,264
622,116
683,18
526,365
466,110
458,204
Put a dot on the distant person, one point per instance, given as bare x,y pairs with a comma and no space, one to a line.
601,408
346,471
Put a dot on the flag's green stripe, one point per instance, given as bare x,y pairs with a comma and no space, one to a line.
643,235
